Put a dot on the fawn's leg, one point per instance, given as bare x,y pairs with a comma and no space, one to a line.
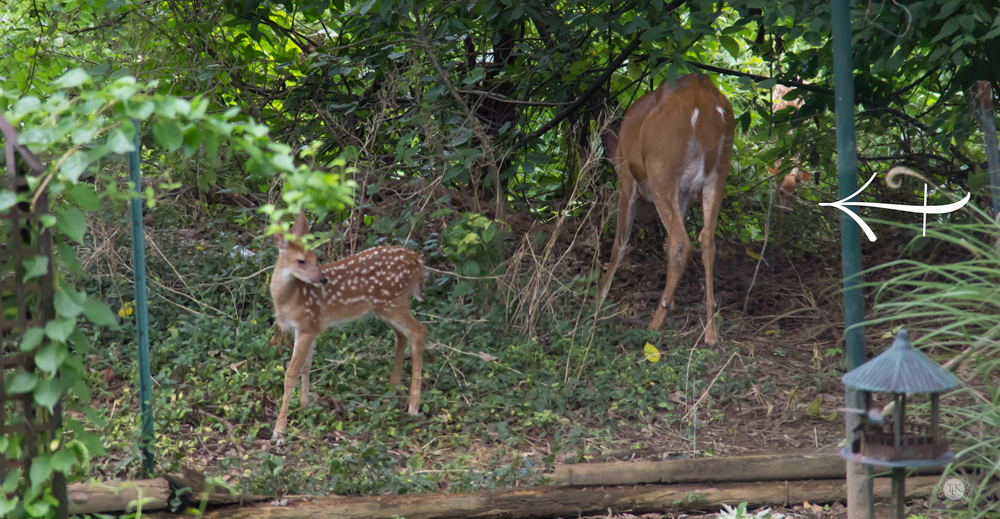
303,346
397,362
304,398
412,331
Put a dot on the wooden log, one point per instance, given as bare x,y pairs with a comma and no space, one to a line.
568,501
799,464
203,492
114,496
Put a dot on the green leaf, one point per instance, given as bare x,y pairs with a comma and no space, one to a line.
896,61
10,483
948,8
74,166
7,199
47,393
539,158
119,143
93,443
949,28
32,338
767,84
50,357
211,145
8,505
958,58
168,133
141,112
83,135
84,196
98,313
81,345
41,470
35,266
198,108
192,141
75,77
60,329
23,382
465,288
992,34
64,459
37,507
283,162
68,256
731,45
73,223
65,305
25,106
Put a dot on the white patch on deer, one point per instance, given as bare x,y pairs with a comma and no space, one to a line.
302,277
286,274
693,176
722,111
694,117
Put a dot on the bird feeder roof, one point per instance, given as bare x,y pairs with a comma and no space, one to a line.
900,369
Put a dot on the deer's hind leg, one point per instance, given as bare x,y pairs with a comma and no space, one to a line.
408,330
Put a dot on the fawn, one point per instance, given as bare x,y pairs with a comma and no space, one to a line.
310,298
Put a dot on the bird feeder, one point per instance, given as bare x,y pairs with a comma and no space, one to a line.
898,443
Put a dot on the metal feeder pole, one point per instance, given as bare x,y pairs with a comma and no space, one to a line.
141,317
859,481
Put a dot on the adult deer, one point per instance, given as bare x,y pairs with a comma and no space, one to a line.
791,181
309,298
675,145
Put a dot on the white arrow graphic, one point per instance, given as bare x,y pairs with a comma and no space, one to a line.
925,209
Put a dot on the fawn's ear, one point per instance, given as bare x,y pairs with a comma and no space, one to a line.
774,170
301,225
279,241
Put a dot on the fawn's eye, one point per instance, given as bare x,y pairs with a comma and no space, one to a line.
302,262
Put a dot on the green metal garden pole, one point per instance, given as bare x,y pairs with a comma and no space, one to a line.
141,318
859,481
